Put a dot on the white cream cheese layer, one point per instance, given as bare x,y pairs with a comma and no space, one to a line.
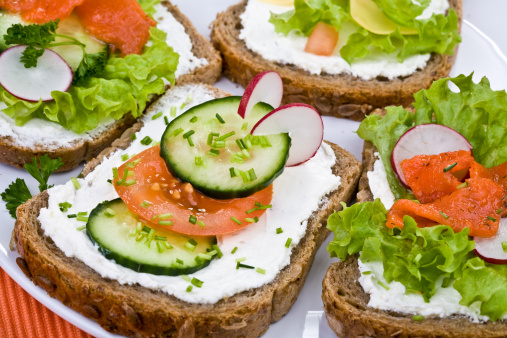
39,132
379,186
259,36
297,193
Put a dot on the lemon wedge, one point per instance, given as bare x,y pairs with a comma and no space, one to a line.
367,14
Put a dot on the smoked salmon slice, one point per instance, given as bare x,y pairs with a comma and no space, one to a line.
41,11
122,23
475,207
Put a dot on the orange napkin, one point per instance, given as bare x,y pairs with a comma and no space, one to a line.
21,315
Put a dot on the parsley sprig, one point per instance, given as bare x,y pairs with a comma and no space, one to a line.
38,38
18,193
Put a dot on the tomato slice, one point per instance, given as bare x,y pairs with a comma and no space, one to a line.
322,40
156,192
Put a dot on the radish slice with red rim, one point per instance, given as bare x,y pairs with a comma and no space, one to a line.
490,249
265,87
35,83
304,125
426,139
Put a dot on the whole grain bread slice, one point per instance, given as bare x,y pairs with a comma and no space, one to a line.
340,95
81,150
141,312
348,314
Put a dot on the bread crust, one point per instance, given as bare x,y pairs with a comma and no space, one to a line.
140,312
348,314
84,150
339,95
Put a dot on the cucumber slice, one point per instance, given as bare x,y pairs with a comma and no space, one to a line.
112,226
70,26
223,171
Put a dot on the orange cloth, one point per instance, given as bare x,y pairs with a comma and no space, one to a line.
22,316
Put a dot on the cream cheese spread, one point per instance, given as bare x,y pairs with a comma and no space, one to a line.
38,132
259,36
297,193
379,186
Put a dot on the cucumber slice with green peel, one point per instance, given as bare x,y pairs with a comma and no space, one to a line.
123,238
210,146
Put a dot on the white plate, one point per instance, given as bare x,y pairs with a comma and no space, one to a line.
477,53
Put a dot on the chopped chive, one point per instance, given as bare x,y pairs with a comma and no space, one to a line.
214,152
219,144
81,228
252,175
205,256
244,126
418,318
504,246
443,215
150,237
130,182
287,244
145,204
232,172
248,144
192,241
109,181
133,137
234,250
183,105
383,285
160,247
446,169
188,133
251,210
255,140
189,288
491,218
246,153
173,111
168,223
115,173
146,141
261,271
179,261
166,120
225,136
64,206
219,118
140,237
190,142
279,231
236,220
186,278
82,213
240,144
210,139
82,218
196,282
240,265
244,176
124,157
261,206
499,211
189,98
160,238
239,260
198,160
252,220
212,252
201,223
367,273
167,245
165,216
75,182
189,246
215,134
462,185
130,173
109,212
192,219
219,252
156,116
176,132
146,229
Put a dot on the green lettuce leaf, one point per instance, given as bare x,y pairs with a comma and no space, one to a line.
148,6
306,15
405,17
485,283
415,257
125,85
477,112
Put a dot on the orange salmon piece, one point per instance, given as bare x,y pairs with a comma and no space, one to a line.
122,23
41,11
433,176
474,207
498,174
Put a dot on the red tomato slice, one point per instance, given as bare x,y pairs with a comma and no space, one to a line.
322,40
166,194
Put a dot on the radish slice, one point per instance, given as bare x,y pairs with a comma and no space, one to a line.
265,87
304,125
36,83
426,139
490,249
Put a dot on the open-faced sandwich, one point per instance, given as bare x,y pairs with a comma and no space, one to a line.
427,256
344,57
202,221
74,75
